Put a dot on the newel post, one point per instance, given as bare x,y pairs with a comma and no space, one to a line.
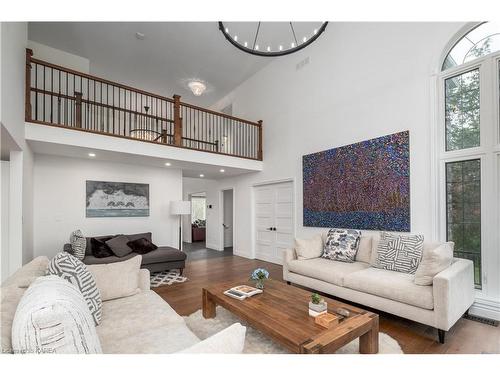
27,89
259,151
177,121
78,109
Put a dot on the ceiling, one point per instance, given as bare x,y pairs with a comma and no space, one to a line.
170,54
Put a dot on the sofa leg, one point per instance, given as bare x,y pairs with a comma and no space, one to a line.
288,283
441,335
181,271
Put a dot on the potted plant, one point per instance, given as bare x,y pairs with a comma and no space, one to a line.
317,305
259,276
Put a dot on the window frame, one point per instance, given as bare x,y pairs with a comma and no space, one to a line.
488,152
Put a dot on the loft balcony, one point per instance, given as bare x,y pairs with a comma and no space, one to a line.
64,98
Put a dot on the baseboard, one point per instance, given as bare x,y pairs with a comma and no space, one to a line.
486,308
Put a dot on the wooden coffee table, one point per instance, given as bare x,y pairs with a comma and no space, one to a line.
281,313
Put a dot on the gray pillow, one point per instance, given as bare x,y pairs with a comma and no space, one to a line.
78,244
399,252
118,245
73,270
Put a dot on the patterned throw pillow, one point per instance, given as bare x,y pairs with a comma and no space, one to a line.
71,269
52,317
399,252
342,244
78,244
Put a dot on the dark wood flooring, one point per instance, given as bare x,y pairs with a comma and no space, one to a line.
465,337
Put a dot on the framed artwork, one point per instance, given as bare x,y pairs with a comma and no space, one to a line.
116,199
364,185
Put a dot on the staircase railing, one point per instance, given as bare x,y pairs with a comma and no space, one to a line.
63,97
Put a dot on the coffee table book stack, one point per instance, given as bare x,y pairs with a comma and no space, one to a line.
282,313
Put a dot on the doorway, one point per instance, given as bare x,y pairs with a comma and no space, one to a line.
227,211
274,220
198,223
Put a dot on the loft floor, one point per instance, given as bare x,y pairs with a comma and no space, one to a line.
466,337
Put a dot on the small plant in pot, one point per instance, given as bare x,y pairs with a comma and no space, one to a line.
317,305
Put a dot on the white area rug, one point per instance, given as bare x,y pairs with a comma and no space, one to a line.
258,343
166,278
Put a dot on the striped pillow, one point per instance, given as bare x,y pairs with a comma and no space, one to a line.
78,244
52,317
71,269
400,252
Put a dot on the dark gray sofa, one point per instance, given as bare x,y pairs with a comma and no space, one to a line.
162,259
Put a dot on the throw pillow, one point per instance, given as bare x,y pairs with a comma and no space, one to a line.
342,244
118,245
52,317
71,269
399,252
434,261
99,248
142,246
78,244
310,248
106,276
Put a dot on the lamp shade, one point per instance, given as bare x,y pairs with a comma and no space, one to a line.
180,207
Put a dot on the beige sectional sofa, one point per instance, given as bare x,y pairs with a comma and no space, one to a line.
140,323
438,305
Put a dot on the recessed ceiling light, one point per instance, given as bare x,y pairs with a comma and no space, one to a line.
222,171
197,87
168,164
91,154
140,36
202,175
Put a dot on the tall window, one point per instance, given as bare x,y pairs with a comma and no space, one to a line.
469,150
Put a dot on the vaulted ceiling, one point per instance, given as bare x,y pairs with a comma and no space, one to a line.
169,55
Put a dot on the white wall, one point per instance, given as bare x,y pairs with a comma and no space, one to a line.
4,220
363,80
59,201
13,63
13,58
59,57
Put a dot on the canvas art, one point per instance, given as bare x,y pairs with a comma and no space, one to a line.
117,199
364,185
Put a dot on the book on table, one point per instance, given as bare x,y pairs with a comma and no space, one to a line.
242,291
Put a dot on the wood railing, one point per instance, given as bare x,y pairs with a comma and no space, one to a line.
63,97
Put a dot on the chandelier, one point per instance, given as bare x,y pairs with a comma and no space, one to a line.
271,38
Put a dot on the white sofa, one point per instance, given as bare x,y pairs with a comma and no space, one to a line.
439,305
139,324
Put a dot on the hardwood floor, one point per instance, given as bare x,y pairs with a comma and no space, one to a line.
466,336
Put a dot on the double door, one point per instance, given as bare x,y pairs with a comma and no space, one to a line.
274,225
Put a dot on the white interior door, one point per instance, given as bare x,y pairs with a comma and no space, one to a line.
273,221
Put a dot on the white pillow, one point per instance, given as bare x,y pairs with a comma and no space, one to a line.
53,317
434,261
117,280
309,248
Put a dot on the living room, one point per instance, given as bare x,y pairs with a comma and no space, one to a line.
346,172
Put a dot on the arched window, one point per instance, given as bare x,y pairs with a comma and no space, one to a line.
468,153
478,42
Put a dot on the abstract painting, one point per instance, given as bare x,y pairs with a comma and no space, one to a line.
364,185
117,199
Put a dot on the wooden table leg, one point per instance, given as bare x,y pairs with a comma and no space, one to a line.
208,305
368,343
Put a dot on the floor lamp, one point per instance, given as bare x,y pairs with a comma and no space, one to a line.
180,208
